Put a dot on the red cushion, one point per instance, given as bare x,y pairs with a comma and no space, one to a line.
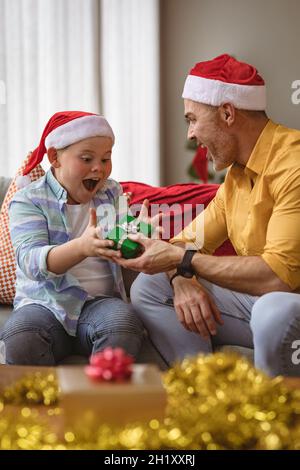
185,193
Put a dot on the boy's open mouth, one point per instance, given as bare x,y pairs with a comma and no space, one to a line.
90,184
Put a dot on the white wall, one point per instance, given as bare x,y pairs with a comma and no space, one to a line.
262,32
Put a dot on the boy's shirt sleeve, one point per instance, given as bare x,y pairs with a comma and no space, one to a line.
30,239
115,188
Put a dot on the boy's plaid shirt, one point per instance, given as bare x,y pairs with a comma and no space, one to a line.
38,222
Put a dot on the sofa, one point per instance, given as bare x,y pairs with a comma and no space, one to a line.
5,310
173,195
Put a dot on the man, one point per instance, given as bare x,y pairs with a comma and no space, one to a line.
248,300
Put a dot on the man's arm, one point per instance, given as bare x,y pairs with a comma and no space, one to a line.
277,269
248,274
173,271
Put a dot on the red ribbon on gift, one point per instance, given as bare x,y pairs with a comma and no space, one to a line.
110,365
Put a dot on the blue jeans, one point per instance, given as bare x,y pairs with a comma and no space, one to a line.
33,336
270,324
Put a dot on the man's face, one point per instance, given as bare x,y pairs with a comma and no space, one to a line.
209,130
83,168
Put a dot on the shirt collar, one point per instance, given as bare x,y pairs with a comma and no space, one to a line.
56,187
261,150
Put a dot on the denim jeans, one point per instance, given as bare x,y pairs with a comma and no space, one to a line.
270,324
33,336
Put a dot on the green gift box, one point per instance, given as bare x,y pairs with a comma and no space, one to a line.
128,225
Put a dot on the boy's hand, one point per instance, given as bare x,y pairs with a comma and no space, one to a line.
91,243
153,221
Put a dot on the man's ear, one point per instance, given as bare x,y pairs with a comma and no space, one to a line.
227,113
53,157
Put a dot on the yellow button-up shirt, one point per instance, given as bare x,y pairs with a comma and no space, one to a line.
258,206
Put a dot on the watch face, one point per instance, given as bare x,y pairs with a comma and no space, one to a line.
185,268
184,272
188,274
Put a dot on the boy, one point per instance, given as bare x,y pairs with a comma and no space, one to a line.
70,296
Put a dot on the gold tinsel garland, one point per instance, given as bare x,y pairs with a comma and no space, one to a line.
34,389
214,402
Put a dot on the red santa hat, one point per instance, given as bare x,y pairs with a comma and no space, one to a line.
226,80
66,128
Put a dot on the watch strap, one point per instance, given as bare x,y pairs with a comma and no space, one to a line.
185,267
173,277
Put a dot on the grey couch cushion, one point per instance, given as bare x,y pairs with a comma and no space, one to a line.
5,311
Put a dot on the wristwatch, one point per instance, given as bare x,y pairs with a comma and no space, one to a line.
185,267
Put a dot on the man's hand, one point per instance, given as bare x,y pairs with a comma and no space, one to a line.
158,256
195,309
91,243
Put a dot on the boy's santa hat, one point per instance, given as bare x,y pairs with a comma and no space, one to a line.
226,80
66,128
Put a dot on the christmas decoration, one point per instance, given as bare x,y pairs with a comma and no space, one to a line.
217,401
128,225
226,80
199,166
33,389
110,365
66,128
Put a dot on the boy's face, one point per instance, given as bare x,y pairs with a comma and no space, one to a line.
82,168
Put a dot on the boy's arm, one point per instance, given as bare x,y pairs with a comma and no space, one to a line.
29,236
63,257
30,239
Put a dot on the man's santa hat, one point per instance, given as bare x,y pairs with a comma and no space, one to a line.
226,80
63,129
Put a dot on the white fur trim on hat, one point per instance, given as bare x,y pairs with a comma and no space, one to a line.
79,129
216,92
